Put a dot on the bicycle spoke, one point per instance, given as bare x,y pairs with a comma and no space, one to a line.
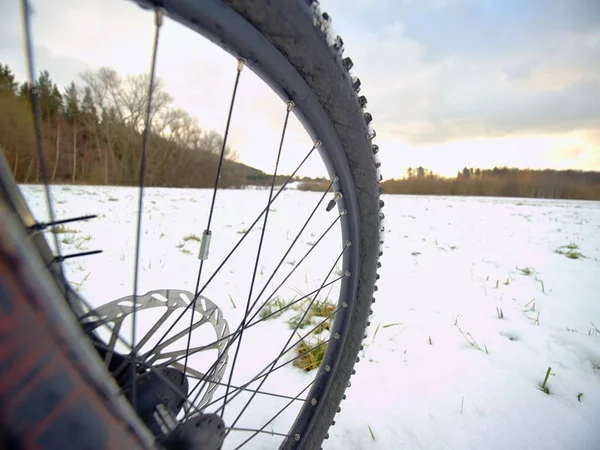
195,374
294,331
38,226
260,244
300,355
262,375
290,247
37,122
274,417
296,267
252,430
111,343
61,258
207,235
158,20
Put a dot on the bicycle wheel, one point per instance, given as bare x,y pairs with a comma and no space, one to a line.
287,45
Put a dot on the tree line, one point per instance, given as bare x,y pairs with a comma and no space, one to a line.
500,182
92,133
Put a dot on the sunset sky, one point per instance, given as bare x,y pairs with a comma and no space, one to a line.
450,83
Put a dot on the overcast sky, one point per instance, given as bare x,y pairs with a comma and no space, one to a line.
450,83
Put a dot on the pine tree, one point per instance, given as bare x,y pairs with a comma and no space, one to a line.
71,103
8,85
25,90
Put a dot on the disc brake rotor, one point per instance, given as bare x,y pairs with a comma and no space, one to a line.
206,312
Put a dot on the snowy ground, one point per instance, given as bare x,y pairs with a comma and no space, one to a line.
474,305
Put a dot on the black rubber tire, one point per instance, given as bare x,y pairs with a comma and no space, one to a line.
305,45
327,102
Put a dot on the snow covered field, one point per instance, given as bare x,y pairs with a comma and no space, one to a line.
477,299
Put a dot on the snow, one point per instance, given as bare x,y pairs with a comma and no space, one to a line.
454,270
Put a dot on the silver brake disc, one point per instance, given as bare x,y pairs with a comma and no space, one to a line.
206,312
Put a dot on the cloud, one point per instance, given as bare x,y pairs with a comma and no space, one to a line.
437,71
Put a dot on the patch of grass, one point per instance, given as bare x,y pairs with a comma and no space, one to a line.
430,340
526,271
324,326
242,231
398,333
396,324
529,308
310,357
574,255
273,309
371,432
322,308
469,338
507,282
541,284
113,199
232,302
544,386
62,229
192,237
497,283
180,245
185,251
415,253
453,247
500,313
376,331
579,397
299,322
79,285
571,251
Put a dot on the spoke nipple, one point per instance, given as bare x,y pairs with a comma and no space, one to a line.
348,243
290,105
336,336
297,436
205,245
344,305
336,178
317,143
327,368
313,401
240,64
347,273
159,17
343,212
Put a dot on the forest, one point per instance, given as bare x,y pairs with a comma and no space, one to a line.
92,134
500,182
